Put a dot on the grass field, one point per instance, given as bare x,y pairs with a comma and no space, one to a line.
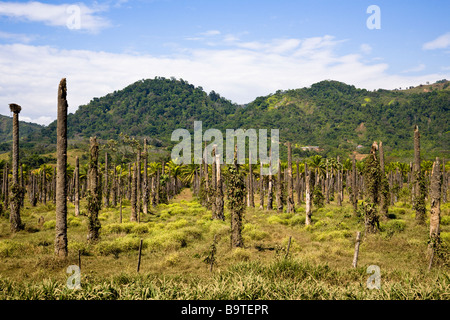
178,238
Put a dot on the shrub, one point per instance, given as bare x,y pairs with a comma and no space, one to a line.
319,224
164,216
9,248
397,211
240,254
297,220
119,245
176,224
50,224
103,216
73,221
79,246
276,219
140,228
173,239
253,233
214,227
445,236
173,259
333,234
318,197
445,220
393,226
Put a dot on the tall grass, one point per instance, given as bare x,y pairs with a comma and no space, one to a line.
282,279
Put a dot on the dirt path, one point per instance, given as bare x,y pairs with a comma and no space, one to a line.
185,194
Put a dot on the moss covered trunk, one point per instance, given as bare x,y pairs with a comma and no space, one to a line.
290,196
145,182
16,189
77,187
435,202
219,191
419,186
93,194
236,202
279,189
308,195
134,208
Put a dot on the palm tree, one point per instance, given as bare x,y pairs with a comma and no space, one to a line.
153,167
187,173
404,168
175,170
426,166
301,167
391,166
347,165
360,166
317,164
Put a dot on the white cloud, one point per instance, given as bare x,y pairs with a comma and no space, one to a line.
56,15
365,48
40,120
210,33
241,71
16,37
440,42
418,68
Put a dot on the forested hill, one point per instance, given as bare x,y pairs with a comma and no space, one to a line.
147,108
26,130
336,117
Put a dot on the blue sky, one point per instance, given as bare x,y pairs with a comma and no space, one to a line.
240,49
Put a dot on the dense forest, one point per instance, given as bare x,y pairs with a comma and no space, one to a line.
338,117
152,108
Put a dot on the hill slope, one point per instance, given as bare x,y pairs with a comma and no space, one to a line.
336,117
152,108
26,131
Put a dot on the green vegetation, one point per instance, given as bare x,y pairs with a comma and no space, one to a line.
332,115
177,240
339,117
188,255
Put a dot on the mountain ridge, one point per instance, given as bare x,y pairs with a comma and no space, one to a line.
330,114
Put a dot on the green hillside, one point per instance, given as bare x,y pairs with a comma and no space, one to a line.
147,108
29,135
26,128
337,118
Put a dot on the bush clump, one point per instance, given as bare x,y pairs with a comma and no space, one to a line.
119,245
9,248
50,224
252,231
